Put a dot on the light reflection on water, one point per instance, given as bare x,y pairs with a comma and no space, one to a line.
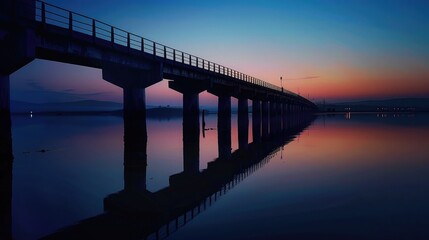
346,176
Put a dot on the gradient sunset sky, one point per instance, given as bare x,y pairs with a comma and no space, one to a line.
333,50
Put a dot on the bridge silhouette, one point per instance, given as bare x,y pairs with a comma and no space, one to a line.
31,29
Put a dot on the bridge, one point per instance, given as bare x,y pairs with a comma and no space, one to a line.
31,29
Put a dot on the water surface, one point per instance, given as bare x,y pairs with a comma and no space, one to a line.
342,177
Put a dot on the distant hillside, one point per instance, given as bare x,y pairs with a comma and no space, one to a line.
78,106
397,104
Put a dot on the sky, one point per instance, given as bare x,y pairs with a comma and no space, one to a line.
324,50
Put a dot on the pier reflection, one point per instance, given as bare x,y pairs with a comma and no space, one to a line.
135,152
135,213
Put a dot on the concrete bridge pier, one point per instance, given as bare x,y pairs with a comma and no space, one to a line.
292,108
6,163
278,118
273,117
256,120
243,123
191,123
17,43
224,126
133,81
284,115
191,133
223,119
265,118
16,51
4,95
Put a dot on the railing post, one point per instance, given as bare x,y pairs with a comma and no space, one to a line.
165,52
43,14
128,40
112,35
190,59
93,29
197,61
183,58
174,54
204,67
70,22
154,48
142,46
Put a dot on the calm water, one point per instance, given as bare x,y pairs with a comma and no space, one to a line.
341,177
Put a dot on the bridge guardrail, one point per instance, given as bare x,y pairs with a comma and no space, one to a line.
50,14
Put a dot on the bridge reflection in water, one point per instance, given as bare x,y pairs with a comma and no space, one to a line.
136,212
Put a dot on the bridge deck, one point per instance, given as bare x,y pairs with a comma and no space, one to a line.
66,36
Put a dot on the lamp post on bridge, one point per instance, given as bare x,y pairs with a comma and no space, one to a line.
281,82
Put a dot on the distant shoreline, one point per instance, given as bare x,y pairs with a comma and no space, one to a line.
152,112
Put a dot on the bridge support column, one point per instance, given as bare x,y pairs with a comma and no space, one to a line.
265,118
273,117
135,139
243,123
278,118
284,115
191,133
6,161
133,81
4,95
256,120
224,126
191,124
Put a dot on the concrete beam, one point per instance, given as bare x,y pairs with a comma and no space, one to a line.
188,87
221,90
127,77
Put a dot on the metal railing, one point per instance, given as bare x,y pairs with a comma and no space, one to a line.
49,14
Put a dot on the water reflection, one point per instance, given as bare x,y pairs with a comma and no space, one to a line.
140,213
135,152
355,173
